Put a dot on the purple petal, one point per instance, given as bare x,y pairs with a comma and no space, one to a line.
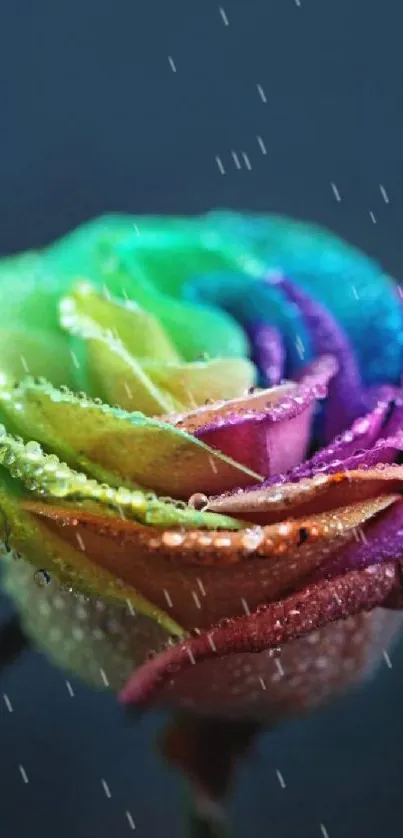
357,440
381,542
268,352
346,399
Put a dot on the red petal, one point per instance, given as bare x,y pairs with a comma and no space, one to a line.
270,626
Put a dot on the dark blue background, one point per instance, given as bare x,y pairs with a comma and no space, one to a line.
93,119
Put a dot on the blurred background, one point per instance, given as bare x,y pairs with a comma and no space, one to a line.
138,106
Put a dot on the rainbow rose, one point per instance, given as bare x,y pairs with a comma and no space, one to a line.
201,429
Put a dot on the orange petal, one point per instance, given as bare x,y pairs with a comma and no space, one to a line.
200,577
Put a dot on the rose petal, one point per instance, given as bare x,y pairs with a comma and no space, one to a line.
273,685
346,399
270,626
193,384
26,535
353,287
268,352
88,636
139,331
382,542
111,254
268,438
196,330
24,351
361,436
117,446
201,576
47,476
310,495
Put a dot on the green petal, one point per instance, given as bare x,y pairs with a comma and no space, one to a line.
110,252
117,378
151,385
191,385
172,251
138,330
118,446
87,251
196,330
46,476
111,372
28,351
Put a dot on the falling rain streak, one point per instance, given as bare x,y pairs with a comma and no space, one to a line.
223,16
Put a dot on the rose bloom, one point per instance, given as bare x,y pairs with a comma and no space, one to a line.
200,488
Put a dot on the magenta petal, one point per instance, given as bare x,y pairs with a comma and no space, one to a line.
346,399
275,440
268,352
357,440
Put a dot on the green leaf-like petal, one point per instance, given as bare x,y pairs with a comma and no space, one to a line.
191,385
30,351
117,446
46,476
111,372
138,330
117,334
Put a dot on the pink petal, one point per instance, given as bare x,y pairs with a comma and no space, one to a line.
265,438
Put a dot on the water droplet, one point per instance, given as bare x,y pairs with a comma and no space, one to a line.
252,538
172,539
41,578
198,501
